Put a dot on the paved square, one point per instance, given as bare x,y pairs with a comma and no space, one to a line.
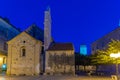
54,78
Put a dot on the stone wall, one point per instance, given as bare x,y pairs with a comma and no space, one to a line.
24,64
60,62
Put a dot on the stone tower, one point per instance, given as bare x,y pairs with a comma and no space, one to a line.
47,28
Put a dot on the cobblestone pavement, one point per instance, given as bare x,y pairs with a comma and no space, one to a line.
54,78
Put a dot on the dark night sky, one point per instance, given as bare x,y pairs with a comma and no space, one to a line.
76,21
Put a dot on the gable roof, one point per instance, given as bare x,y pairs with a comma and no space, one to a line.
35,32
20,34
61,46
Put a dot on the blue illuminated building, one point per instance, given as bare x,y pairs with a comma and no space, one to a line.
83,49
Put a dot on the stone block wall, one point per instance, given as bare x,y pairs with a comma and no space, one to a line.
24,64
60,62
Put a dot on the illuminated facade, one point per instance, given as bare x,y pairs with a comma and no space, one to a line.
24,55
60,59
43,36
28,50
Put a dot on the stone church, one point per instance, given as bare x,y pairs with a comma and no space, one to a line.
24,55
29,51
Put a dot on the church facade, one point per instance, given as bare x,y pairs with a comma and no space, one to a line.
24,55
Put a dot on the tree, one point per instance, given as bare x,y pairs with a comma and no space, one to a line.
102,57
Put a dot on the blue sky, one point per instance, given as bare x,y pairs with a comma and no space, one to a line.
76,21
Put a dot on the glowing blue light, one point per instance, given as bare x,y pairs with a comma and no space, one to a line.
4,66
83,49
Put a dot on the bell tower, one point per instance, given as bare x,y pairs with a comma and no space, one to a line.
47,28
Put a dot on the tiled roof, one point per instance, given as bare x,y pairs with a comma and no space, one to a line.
61,46
35,32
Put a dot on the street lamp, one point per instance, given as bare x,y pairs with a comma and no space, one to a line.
116,56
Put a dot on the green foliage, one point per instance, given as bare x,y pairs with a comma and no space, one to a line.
103,56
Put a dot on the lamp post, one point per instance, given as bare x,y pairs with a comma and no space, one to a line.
116,56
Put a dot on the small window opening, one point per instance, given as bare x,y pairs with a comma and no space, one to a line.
23,52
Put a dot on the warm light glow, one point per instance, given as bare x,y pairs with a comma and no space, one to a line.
115,55
0,59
